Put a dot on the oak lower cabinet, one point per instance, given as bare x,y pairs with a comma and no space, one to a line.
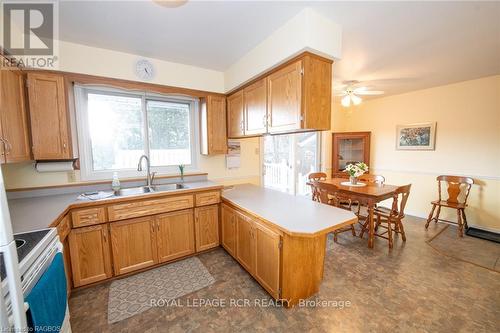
206,227
245,242
228,228
133,243
257,248
267,258
175,235
90,254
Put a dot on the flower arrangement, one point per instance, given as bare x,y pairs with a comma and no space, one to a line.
356,170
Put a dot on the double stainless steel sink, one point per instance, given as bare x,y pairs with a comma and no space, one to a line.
148,189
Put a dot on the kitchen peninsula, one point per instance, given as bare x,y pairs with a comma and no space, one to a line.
278,238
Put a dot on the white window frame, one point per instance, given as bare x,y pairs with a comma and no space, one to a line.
319,154
85,145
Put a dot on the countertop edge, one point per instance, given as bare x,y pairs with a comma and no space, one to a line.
286,231
83,204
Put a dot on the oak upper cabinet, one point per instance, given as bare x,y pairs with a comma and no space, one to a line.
213,125
235,115
255,108
228,229
294,97
133,243
90,254
245,242
14,134
175,235
285,96
267,258
207,227
50,123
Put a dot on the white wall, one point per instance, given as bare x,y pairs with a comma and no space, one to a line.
307,31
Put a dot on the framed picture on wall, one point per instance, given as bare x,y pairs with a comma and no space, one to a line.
420,136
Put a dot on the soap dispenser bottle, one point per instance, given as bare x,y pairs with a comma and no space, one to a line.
115,184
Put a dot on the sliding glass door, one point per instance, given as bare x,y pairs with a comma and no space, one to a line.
288,159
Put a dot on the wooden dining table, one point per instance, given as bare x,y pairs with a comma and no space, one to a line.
368,195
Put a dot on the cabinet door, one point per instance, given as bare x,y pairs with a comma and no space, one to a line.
255,107
229,230
207,227
285,98
175,235
13,117
49,118
67,268
217,134
267,258
245,244
90,254
235,116
134,244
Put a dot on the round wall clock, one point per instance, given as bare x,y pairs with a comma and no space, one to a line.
144,69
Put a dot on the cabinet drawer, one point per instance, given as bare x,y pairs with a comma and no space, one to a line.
88,216
208,198
149,207
63,228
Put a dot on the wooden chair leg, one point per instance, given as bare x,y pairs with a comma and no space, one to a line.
465,219
460,223
389,233
364,227
429,219
353,230
436,219
402,231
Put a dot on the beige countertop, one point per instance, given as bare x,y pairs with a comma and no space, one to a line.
296,215
39,212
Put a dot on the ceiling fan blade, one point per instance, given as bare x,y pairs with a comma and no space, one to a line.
340,93
369,92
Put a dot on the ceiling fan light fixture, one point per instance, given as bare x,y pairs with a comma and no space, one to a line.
346,101
356,100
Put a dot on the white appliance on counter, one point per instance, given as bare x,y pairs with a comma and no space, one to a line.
25,258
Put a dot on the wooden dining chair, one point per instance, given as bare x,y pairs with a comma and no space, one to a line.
458,189
314,177
363,219
328,194
391,220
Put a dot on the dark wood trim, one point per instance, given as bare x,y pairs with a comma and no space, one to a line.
275,69
352,135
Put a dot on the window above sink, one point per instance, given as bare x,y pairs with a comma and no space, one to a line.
116,127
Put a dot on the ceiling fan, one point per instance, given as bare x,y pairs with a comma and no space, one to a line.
351,90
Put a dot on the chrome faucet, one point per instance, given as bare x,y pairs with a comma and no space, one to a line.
149,176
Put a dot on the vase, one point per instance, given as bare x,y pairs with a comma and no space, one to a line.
353,180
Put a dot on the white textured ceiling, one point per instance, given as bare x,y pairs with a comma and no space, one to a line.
398,46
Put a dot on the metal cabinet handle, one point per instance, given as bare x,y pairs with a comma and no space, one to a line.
264,120
241,125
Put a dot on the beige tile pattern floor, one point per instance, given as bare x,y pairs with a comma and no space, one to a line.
412,288
474,250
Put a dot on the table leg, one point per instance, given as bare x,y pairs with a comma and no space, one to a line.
371,225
